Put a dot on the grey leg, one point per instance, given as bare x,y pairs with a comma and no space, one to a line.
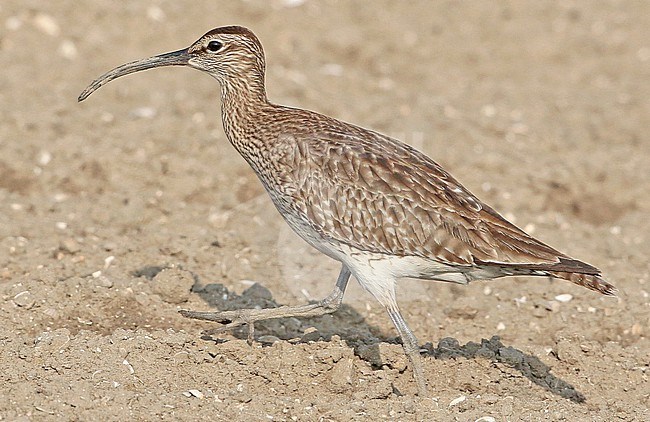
236,318
411,348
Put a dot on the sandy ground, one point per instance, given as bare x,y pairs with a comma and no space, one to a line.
118,212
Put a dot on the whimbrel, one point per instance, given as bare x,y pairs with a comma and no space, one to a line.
381,208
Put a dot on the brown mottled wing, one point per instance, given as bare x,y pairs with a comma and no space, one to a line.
377,194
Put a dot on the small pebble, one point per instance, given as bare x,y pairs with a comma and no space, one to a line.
241,394
292,3
143,299
106,117
129,366
410,406
13,23
465,312
196,393
24,299
489,110
257,291
564,298
103,281
457,400
84,321
60,197
51,312
68,50
310,334
552,305
144,112
70,246
490,398
267,339
46,24
44,158
332,69
155,14
520,300
108,260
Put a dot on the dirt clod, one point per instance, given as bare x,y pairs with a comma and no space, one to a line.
173,285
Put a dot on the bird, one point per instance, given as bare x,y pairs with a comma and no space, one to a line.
380,207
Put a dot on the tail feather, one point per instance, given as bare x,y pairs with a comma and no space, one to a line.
566,268
591,281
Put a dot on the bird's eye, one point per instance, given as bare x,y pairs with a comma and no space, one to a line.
214,46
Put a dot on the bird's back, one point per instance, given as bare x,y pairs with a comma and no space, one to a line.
346,185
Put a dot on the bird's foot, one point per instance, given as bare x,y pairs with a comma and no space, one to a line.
228,319
239,317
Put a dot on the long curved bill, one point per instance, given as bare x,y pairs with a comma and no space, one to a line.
175,58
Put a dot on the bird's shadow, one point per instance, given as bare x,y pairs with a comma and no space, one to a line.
351,327
494,350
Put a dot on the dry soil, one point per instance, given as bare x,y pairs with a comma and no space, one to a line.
117,212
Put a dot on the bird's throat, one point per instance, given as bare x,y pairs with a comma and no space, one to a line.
242,104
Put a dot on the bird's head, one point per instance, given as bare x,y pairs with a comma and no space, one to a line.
229,54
